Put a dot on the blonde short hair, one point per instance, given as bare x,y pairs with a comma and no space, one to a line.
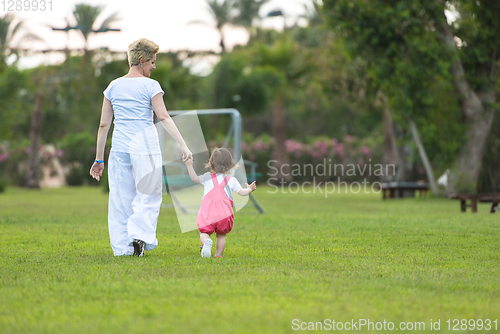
141,49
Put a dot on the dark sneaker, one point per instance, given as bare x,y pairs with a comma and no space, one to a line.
139,246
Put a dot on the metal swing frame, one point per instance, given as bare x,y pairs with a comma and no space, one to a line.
234,132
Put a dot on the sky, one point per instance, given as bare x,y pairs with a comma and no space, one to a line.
168,23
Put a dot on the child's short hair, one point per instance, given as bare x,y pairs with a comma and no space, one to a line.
221,161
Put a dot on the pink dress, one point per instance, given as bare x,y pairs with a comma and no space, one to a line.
216,212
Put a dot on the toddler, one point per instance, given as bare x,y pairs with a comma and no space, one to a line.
216,212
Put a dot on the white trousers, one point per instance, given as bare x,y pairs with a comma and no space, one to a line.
135,196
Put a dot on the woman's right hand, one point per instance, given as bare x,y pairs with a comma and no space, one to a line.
186,153
96,170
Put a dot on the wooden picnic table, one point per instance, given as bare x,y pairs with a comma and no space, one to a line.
390,189
493,198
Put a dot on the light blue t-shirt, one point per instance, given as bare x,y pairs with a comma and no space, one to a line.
134,130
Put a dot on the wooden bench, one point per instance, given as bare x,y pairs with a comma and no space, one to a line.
390,189
493,198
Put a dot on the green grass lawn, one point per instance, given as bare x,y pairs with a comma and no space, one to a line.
345,257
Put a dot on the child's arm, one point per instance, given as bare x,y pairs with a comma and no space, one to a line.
192,173
250,188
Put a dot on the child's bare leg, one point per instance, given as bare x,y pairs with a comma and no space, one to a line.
204,237
221,244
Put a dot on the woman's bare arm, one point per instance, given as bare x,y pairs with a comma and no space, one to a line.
169,125
102,134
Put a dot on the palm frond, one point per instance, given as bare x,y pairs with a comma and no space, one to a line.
221,12
313,14
198,22
110,19
85,16
4,29
247,12
32,37
14,30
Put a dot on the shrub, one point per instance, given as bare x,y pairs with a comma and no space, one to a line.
79,152
14,162
320,150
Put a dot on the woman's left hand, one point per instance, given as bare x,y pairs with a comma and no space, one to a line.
96,170
186,153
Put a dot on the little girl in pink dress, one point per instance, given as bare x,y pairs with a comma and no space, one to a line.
216,212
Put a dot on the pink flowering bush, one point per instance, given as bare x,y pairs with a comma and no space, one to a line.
4,154
14,162
324,151
294,148
14,159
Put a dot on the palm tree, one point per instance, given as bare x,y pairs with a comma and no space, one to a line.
247,12
222,13
282,56
314,15
7,33
233,12
86,15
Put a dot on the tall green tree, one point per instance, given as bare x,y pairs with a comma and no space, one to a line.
407,44
247,13
262,78
243,13
86,16
222,13
8,31
314,14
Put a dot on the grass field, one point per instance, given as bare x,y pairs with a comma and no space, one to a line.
346,257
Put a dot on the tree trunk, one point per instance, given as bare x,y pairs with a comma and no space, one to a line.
390,155
425,160
34,157
465,172
222,44
280,156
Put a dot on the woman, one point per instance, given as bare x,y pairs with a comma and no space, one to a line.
135,160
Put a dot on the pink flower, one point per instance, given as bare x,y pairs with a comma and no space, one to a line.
349,138
339,149
316,155
293,146
260,146
335,141
366,151
59,153
296,148
4,156
245,147
319,149
322,146
361,162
